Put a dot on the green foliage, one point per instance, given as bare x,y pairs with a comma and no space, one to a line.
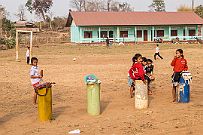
158,6
199,11
10,43
184,8
40,7
8,27
29,6
59,22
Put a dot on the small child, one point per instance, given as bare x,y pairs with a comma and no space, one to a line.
136,72
157,52
144,62
130,81
179,64
28,55
36,78
149,74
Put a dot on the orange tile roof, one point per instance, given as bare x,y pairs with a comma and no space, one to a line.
133,18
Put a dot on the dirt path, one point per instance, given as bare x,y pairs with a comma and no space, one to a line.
119,117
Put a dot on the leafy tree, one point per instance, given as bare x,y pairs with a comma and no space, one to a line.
184,8
8,28
40,7
21,13
157,6
199,10
78,4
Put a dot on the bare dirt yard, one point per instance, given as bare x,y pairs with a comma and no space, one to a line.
18,116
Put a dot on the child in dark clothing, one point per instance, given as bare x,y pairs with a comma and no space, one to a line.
136,72
179,64
149,74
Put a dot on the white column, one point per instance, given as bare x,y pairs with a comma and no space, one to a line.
135,34
31,33
202,32
80,33
118,33
17,46
153,33
99,34
196,30
142,35
186,32
169,33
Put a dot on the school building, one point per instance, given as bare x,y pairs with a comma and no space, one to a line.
89,27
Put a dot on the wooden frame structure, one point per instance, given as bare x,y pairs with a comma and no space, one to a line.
24,30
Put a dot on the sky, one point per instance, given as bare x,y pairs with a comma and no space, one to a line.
61,7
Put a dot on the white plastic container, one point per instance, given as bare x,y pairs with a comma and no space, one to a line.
141,95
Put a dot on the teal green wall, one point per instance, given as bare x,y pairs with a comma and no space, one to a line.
77,33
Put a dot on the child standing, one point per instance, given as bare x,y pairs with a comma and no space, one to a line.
179,64
136,72
28,55
157,52
35,76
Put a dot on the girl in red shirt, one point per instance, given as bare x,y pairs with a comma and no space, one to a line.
136,72
179,64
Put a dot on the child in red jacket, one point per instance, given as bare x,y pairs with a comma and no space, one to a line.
136,72
179,64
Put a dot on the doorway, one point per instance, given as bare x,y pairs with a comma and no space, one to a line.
145,35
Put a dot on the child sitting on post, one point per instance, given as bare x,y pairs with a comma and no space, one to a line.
149,74
36,78
136,72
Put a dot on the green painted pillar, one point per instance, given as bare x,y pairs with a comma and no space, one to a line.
153,33
142,35
118,34
169,33
93,98
196,30
186,33
135,34
80,33
99,34
202,32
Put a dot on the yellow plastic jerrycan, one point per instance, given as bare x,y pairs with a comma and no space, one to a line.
45,104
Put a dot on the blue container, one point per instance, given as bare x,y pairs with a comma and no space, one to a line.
184,91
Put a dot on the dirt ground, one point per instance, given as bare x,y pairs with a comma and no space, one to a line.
18,116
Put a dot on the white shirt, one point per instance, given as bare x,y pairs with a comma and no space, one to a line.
34,71
157,49
28,53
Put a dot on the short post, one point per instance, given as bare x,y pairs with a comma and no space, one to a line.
44,104
30,46
17,47
141,95
93,95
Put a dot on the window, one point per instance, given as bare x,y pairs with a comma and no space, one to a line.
103,34
174,33
110,34
160,33
192,32
87,34
123,33
139,33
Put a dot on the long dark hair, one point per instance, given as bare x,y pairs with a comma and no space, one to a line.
181,52
136,56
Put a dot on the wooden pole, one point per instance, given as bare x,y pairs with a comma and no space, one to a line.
17,46
30,46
